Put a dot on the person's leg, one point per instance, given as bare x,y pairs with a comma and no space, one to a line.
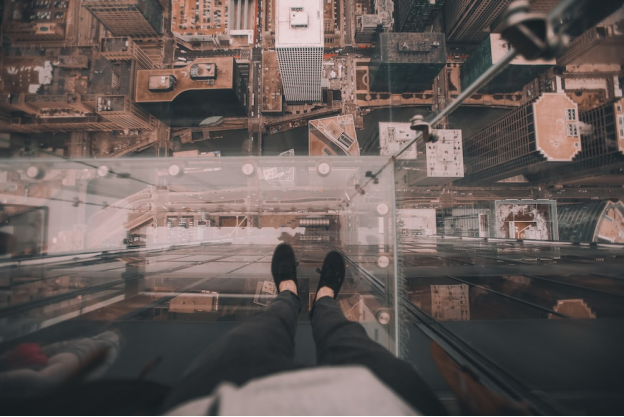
343,342
262,346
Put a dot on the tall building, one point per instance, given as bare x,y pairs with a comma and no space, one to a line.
598,221
601,158
470,20
299,46
443,159
407,62
65,96
368,26
602,44
135,18
185,96
125,49
333,136
536,136
513,78
36,21
416,15
505,219
394,136
431,163
123,112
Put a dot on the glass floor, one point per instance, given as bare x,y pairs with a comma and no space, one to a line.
168,255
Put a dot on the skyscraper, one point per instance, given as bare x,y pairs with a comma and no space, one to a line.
431,163
602,148
416,15
407,62
603,44
136,18
299,46
513,78
185,96
368,26
538,135
597,221
470,20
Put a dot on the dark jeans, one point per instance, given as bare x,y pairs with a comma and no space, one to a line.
265,345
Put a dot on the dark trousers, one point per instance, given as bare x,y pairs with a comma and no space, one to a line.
265,345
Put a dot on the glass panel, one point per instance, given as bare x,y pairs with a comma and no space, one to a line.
188,240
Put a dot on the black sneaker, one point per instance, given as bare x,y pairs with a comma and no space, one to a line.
284,265
332,273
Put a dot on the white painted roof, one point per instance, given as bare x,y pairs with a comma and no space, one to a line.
299,23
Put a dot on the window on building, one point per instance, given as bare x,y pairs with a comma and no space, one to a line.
572,129
571,114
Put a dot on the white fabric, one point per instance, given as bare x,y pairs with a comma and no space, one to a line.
347,390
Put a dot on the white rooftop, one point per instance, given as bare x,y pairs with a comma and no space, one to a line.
393,136
445,157
299,23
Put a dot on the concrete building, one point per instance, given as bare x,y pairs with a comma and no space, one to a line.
394,136
40,22
505,219
407,62
125,49
184,96
538,135
333,136
601,158
272,91
369,26
222,23
40,97
416,15
418,222
443,160
513,78
135,18
602,44
332,23
598,221
470,20
431,163
299,46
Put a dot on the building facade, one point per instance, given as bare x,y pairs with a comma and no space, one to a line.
603,44
369,26
470,20
416,15
333,136
407,62
602,149
503,219
538,135
135,18
299,46
513,78
598,221
185,96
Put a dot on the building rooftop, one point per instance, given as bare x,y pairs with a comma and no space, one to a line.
199,20
393,136
445,158
333,136
117,44
197,75
299,23
408,48
271,83
557,134
37,17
